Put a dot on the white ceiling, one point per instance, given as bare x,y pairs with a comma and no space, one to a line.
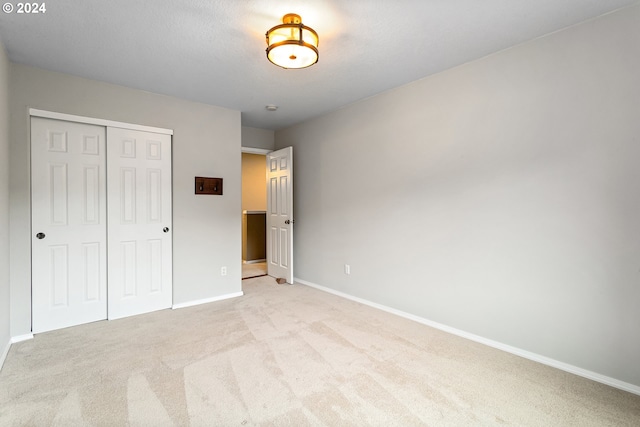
213,51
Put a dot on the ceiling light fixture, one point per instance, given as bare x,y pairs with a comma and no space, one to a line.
292,44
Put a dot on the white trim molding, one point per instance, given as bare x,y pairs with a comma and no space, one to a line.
252,150
631,388
93,121
20,338
4,354
207,300
13,340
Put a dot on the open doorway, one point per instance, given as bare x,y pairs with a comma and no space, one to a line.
254,207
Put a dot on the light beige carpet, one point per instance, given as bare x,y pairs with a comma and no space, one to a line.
288,355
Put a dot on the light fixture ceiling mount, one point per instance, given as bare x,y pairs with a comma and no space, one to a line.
292,44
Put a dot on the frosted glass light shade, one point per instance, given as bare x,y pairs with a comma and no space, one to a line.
292,44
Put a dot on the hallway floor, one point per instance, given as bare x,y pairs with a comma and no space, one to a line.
254,270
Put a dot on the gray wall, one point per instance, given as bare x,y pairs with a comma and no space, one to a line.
501,197
206,142
258,138
4,200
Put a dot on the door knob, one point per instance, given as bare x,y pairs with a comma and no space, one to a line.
166,229
289,221
40,236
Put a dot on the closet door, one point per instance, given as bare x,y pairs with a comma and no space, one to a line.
139,222
68,242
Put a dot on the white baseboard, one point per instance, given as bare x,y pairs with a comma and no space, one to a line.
21,338
207,300
3,356
631,388
7,347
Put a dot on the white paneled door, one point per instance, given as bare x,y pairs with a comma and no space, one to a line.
139,219
280,214
69,274
101,223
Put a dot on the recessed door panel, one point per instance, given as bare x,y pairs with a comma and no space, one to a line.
91,194
128,195
128,269
283,196
274,250
154,196
59,275
284,247
127,148
91,274
57,141
58,193
154,150
273,200
91,145
155,265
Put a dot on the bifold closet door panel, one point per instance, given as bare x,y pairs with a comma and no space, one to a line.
139,222
68,202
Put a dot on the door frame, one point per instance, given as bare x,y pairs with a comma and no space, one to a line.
34,112
265,152
262,152
250,150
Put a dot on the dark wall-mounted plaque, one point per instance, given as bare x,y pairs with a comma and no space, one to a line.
208,185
